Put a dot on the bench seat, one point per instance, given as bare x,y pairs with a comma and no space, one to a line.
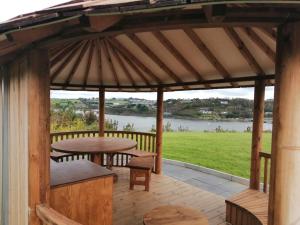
249,207
58,156
137,153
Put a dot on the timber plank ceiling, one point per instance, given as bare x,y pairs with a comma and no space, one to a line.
124,45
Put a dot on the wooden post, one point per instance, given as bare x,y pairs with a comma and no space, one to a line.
38,130
284,197
101,111
28,139
159,130
257,132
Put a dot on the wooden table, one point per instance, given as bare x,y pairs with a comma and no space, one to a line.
95,146
174,215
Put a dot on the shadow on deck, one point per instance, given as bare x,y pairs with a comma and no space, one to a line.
130,206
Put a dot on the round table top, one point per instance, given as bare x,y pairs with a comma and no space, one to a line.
94,145
174,215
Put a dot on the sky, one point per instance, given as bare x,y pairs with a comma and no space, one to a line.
247,93
10,9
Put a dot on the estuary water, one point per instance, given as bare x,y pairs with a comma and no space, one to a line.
145,123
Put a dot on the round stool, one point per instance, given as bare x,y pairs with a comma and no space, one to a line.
174,215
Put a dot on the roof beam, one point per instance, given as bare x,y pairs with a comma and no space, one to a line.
100,23
135,39
131,57
260,43
193,83
176,20
215,13
208,54
245,52
110,62
172,49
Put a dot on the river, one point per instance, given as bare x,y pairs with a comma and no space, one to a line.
145,123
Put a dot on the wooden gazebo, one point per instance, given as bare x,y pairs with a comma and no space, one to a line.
146,46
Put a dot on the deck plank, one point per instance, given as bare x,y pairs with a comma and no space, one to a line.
130,206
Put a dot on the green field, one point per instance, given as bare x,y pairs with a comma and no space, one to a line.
227,152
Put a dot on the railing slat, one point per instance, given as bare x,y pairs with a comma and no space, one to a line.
266,157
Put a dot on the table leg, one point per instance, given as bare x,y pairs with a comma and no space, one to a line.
97,158
109,160
109,164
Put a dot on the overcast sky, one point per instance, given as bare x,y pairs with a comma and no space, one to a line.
11,9
220,93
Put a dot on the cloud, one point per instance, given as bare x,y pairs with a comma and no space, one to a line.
219,93
12,8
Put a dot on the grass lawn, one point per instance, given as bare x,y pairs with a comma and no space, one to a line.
227,152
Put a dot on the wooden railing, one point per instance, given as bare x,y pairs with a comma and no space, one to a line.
145,142
49,216
265,159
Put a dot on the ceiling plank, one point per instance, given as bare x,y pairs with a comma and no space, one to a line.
110,62
65,62
269,32
260,43
131,64
121,48
77,62
120,61
172,49
245,52
135,39
88,64
62,53
208,54
98,49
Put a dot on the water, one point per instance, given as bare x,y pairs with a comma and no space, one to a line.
145,123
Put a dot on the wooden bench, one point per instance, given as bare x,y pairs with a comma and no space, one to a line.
249,207
59,156
82,191
138,153
140,167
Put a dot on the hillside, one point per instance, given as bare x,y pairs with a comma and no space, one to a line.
208,109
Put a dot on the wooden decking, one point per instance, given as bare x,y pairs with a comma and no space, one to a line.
130,206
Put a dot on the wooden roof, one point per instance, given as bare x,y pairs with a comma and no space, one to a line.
125,45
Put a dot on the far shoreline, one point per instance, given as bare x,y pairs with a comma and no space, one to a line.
267,120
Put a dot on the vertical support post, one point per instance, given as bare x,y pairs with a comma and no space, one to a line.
284,197
38,130
101,112
257,132
159,129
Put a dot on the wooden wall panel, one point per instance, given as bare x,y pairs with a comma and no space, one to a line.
1,142
18,144
28,136
93,204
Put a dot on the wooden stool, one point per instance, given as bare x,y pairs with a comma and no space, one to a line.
140,167
174,215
